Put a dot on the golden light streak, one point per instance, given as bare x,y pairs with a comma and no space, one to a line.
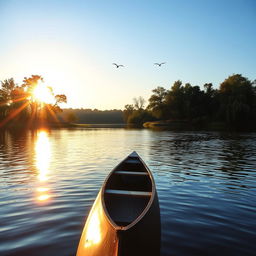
12,101
13,114
52,114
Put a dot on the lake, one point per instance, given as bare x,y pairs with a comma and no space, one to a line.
206,183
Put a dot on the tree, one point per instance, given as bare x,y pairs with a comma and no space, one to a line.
237,99
60,98
128,110
139,117
13,100
8,86
139,103
71,117
20,102
175,101
157,102
31,82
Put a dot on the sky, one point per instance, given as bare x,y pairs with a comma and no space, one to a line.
72,45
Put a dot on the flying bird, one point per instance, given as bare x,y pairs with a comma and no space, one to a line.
159,64
117,66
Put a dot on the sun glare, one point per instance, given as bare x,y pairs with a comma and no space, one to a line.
43,94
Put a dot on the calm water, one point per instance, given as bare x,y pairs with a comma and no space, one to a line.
206,185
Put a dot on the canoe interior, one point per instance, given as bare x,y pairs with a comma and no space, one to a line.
128,191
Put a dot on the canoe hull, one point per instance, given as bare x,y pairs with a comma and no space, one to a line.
103,236
99,237
145,237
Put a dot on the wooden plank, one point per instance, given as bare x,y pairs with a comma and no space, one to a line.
132,161
127,192
131,173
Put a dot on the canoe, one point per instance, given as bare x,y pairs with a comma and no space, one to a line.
125,217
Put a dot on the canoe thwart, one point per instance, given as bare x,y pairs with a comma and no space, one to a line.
131,173
127,192
132,161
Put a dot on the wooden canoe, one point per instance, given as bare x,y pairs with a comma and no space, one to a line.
125,217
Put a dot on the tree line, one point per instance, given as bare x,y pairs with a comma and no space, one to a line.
233,104
19,107
91,116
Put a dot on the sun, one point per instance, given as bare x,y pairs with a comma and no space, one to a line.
42,93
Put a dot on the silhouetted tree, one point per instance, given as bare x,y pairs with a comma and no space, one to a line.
175,101
128,110
17,103
237,99
139,103
71,117
157,102
60,98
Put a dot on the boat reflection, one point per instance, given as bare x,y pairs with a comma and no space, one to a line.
43,157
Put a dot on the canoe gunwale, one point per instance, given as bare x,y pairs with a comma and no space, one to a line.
149,204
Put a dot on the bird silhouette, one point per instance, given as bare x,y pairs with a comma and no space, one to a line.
117,66
159,64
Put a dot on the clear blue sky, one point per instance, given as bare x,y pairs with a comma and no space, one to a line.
73,44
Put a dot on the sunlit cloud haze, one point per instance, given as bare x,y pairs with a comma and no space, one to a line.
73,44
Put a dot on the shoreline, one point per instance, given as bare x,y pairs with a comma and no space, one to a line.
182,125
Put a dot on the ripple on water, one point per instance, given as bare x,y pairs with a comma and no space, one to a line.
206,184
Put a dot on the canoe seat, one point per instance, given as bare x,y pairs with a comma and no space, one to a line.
127,192
131,173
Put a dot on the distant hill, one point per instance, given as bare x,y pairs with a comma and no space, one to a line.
89,116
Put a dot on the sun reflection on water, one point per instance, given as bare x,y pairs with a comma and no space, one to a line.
43,157
42,189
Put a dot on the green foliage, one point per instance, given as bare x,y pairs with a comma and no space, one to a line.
237,99
128,110
139,117
234,104
157,104
136,114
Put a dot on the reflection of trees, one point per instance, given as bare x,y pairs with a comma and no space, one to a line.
193,156
234,156
14,155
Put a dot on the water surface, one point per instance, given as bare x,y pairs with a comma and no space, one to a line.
206,184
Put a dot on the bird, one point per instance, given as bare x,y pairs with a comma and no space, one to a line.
117,66
159,64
